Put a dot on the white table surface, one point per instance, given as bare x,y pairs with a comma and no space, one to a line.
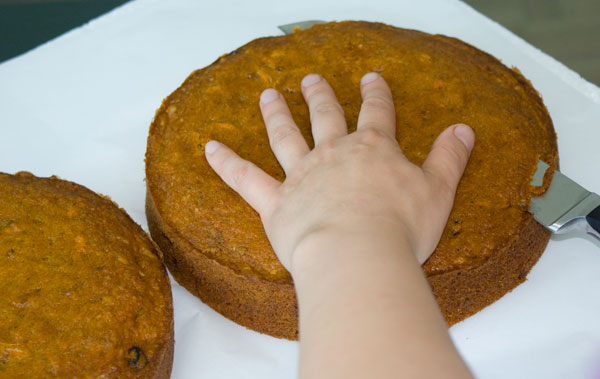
80,107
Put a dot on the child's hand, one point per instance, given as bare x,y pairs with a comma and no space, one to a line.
347,223
357,185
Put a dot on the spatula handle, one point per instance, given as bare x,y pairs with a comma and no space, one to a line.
583,217
593,219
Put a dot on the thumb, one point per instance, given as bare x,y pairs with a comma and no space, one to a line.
449,155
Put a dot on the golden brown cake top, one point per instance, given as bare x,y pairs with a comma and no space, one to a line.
436,81
84,293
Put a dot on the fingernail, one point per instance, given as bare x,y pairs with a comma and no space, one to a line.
268,95
211,147
368,78
310,79
466,135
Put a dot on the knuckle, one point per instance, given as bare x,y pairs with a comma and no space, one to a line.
371,135
328,107
277,118
378,102
239,173
326,150
280,134
457,155
329,145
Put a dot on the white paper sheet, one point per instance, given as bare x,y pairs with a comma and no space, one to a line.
80,106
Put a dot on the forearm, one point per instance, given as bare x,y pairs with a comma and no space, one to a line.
366,310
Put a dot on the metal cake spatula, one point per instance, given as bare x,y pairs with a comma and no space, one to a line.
566,206
289,28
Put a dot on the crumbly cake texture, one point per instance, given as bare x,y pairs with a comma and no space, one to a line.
214,243
84,291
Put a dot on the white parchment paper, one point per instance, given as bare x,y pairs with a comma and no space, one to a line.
80,106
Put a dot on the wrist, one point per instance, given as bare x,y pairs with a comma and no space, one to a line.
325,249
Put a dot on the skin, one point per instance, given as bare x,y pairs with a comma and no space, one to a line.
353,222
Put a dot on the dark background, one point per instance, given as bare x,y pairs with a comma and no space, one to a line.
568,30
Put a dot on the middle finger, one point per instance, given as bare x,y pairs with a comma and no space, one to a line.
377,110
326,114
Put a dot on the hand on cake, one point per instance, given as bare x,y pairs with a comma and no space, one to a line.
352,222
349,184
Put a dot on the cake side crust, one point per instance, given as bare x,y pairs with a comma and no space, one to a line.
462,293
271,308
257,304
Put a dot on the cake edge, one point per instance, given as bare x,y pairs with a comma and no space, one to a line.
275,311
501,273
257,304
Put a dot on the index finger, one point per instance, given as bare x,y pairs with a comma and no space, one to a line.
250,182
377,110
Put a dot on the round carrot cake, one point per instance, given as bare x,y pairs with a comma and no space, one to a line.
84,293
214,243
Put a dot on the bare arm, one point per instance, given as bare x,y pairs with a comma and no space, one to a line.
352,222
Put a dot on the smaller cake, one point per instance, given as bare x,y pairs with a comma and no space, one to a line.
84,290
